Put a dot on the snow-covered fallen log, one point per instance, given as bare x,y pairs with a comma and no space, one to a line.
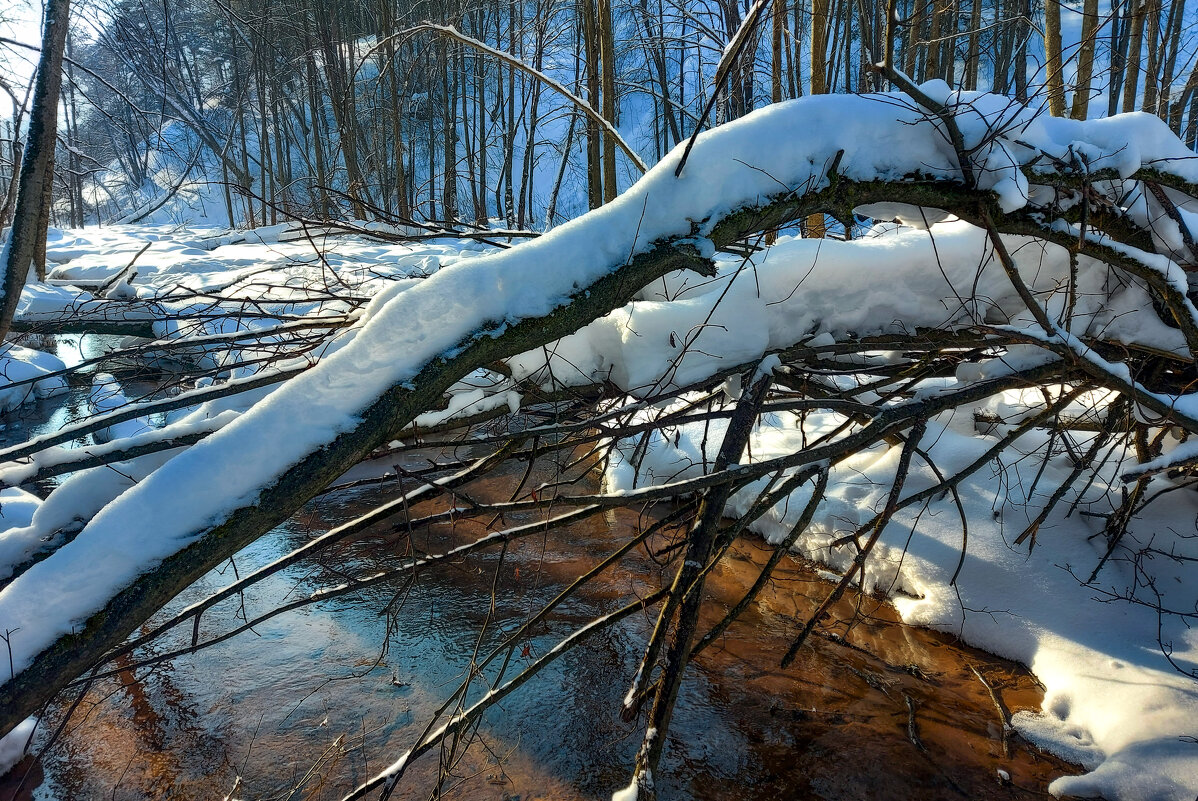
601,300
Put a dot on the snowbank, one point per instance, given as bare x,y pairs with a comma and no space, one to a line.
21,381
802,290
14,745
1112,701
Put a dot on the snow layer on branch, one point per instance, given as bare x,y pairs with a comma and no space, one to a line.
17,507
14,745
68,507
1002,134
894,281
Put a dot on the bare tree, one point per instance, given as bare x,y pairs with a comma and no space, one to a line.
31,215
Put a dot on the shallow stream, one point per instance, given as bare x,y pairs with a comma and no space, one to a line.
317,700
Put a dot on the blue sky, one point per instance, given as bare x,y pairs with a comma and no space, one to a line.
21,22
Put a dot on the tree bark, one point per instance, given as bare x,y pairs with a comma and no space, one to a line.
607,51
1085,60
1135,43
32,213
1118,49
1152,33
1054,79
819,85
591,66
1171,45
974,57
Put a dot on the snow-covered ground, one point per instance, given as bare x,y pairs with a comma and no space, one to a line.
26,375
201,286
1114,702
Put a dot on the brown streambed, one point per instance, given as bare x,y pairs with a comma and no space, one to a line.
311,703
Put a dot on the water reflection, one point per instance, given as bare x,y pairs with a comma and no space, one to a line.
312,702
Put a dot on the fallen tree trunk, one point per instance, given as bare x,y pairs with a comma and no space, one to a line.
75,653
1077,224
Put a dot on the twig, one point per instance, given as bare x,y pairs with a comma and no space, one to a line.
1004,718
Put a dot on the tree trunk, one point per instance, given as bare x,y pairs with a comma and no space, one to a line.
1152,33
449,135
779,22
316,110
1085,61
32,214
819,84
590,61
973,59
1118,47
1023,27
76,169
932,49
1188,93
340,88
1171,44
528,172
607,47
43,222
1054,79
1135,43
515,18
914,30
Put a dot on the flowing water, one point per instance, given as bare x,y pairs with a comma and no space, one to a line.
314,701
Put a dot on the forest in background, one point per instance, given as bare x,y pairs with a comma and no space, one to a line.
260,112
